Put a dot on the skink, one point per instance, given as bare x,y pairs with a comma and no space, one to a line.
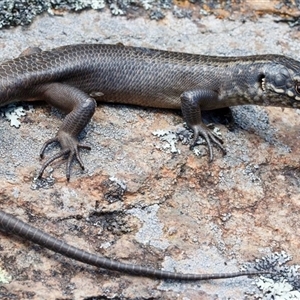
72,77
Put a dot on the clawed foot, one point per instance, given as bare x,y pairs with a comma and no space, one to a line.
69,149
209,136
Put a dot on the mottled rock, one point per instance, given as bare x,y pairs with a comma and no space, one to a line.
137,201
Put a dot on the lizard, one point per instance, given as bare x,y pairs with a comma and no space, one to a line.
72,78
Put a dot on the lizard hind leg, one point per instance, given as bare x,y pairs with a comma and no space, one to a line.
80,108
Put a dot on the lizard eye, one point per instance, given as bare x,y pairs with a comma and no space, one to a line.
297,87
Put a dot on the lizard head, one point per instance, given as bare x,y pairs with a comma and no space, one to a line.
281,80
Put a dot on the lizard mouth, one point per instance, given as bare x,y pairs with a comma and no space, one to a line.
263,84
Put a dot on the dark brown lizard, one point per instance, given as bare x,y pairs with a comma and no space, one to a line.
71,78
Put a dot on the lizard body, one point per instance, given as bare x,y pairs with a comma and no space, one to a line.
72,77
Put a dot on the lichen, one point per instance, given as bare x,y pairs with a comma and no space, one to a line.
283,283
13,114
276,290
4,277
94,4
169,138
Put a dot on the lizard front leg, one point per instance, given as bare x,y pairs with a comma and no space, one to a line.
191,104
79,107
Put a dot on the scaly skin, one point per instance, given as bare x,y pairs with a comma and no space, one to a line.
24,230
71,78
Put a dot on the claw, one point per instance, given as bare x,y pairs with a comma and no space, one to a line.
83,146
50,160
46,144
68,166
70,149
209,137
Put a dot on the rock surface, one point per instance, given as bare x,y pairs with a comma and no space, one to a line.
137,201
